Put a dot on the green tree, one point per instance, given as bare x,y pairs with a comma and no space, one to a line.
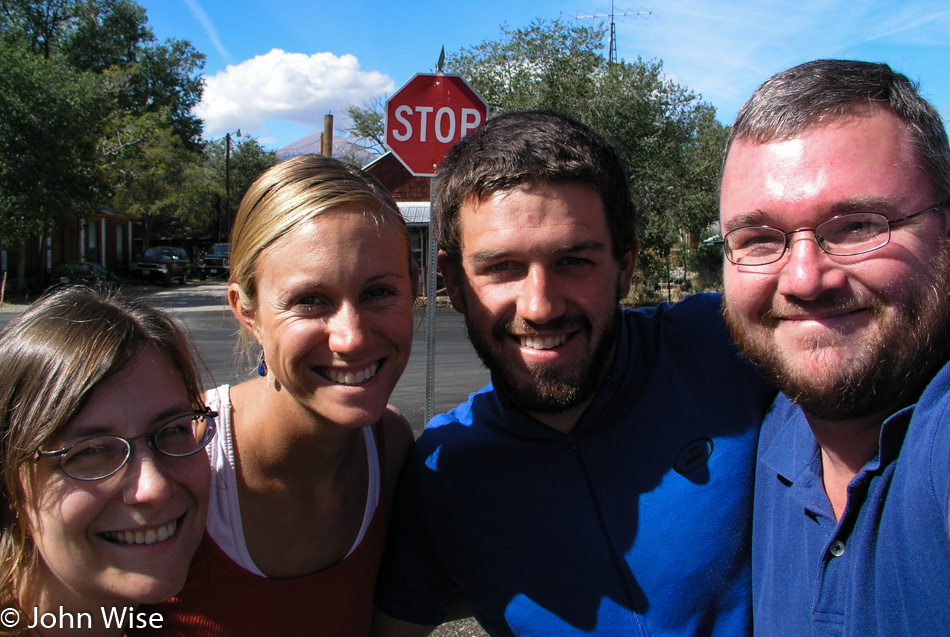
106,34
38,25
148,138
544,65
165,81
206,189
704,154
149,165
368,129
150,77
173,192
669,138
51,121
112,36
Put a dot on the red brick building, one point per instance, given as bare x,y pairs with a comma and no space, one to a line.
105,239
412,195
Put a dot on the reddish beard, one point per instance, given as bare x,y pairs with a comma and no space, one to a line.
545,388
892,368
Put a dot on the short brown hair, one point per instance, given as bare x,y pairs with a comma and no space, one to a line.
823,90
532,147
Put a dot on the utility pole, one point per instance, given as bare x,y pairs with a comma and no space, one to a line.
326,139
612,37
227,180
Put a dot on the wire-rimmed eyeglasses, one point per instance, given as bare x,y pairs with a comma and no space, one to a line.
99,457
843,236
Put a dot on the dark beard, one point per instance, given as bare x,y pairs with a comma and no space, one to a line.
547,390
893,370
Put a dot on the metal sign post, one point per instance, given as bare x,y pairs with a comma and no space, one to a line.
425,118
432,278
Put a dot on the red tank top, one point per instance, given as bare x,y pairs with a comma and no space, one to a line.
221,599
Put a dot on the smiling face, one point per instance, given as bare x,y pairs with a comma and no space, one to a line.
539,286
334,315
841,335
129,538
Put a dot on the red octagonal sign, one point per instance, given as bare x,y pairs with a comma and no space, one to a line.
429,115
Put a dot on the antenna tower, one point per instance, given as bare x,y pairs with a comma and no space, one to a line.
612,38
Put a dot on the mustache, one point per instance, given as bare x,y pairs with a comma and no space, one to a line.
792,306
518,326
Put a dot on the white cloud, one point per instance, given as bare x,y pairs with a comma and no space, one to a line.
292,87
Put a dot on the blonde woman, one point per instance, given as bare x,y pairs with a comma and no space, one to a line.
309,451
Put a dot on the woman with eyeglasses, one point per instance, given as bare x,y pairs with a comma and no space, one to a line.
104,476
308,452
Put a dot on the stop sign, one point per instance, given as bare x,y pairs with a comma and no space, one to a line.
429,115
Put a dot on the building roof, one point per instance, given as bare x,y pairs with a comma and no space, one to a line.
400,183
112,213
416,213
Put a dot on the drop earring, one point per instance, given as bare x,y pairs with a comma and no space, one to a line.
261,365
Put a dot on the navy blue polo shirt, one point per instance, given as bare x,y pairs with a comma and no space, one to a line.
885,568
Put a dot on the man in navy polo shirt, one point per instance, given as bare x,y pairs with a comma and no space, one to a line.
834,209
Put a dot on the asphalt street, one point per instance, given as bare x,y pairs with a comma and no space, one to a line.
201,308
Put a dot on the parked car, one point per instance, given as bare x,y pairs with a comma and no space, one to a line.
215,262
85,273
163,265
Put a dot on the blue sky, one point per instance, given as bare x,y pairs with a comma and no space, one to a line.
275,67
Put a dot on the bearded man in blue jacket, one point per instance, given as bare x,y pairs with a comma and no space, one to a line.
602,483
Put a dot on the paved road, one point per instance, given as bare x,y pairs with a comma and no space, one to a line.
201,308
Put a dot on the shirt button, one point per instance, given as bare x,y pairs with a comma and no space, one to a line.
837,548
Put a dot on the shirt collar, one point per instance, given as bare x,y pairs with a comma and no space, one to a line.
789,448
793,453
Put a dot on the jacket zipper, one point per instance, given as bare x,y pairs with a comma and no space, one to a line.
620,565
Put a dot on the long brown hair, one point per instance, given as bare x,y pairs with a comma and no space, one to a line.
53,356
